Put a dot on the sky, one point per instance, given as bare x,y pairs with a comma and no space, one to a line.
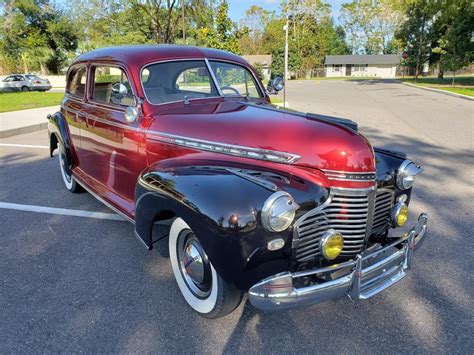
238,7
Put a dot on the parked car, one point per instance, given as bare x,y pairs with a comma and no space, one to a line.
294,208
24,82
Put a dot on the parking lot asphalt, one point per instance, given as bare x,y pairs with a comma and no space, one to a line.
77,284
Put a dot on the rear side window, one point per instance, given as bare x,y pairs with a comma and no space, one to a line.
76,82
111,86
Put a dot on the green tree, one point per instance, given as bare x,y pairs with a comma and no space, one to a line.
36,34
224,35
371,25
259,69
253,27
455,45
278,61
417,34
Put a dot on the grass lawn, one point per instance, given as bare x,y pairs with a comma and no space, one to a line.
434,81
463,91
347,78
462,85
276,100
15,101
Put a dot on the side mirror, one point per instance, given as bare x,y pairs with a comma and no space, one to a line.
120,89
275,85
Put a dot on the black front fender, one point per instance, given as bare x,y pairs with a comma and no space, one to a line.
223,209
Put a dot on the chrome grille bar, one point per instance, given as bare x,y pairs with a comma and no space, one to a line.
353,212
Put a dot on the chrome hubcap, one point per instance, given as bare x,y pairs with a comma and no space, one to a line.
194,264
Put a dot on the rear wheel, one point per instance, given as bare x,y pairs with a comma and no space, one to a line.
201,286
25,88
69,181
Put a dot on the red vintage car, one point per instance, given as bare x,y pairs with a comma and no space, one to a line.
294,208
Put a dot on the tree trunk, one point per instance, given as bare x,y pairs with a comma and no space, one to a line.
454,77
440,71
420,44
44,70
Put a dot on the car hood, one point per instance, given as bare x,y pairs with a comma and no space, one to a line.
319,144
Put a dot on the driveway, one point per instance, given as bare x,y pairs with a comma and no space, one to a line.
75,283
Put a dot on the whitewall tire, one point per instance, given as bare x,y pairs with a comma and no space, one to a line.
201,286
69,181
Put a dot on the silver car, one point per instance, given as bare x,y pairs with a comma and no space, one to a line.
24,82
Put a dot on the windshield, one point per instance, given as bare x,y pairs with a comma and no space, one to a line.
235,80
176,81
191,79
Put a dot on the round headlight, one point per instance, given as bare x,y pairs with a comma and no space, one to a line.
332,243
399,214
406,174
278,212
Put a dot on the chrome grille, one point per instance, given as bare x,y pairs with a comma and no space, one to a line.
350,212
383,204
346,213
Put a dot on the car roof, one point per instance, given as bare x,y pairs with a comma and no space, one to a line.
139,55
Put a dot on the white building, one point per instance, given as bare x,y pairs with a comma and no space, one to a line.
380,66
264,59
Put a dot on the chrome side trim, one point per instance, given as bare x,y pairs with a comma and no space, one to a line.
224,148
194,143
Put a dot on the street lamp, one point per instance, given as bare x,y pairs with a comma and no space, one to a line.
286,58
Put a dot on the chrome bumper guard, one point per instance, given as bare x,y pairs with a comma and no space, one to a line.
368,274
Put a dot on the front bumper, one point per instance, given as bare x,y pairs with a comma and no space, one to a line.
368,274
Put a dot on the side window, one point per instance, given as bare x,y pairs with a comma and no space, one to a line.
9,79
194,80
76,81
111,86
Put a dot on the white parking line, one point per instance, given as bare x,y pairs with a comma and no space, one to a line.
60,211
24,145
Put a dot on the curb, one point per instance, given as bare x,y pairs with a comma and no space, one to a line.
461,96
22,130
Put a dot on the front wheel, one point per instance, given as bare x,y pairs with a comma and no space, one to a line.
201,286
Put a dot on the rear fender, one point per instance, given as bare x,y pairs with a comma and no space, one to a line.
59,133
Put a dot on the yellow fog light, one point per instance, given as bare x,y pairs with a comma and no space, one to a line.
331,244
399,214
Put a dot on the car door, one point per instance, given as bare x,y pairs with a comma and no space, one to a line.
72,108
109,143
21,83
